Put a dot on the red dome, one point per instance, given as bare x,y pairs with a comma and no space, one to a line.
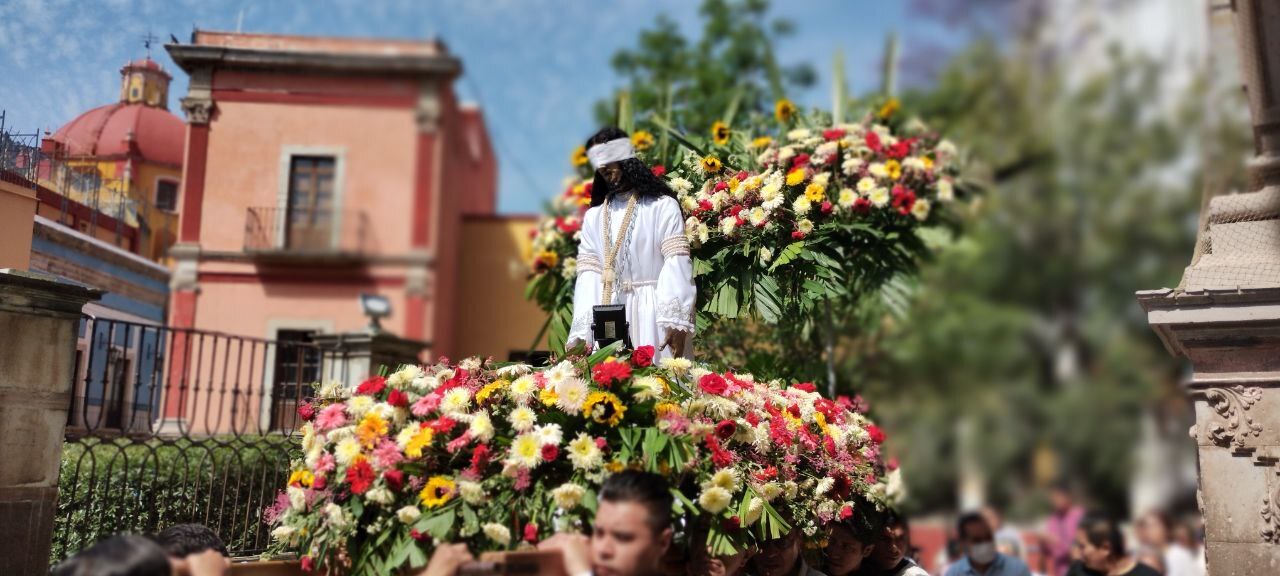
105,131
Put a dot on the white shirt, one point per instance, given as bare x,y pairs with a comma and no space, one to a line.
653,274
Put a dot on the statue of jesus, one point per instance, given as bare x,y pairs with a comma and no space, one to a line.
633,251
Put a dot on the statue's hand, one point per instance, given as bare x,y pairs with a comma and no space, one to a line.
675,341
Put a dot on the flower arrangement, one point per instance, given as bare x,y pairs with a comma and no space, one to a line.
503,455
782,218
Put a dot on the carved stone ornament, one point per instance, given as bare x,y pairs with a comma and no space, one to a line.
1271,509
198,110
1234,424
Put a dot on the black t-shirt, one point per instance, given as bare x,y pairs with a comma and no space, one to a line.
1139,569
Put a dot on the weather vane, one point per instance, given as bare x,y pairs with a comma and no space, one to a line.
147,40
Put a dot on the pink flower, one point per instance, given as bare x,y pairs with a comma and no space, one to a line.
333,416
459,442
325,464
426,404
531,533
387,454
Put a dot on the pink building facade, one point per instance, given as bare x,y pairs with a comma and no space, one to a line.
318,169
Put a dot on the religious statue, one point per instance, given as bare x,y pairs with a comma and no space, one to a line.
634,252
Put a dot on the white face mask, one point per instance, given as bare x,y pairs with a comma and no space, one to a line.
983,554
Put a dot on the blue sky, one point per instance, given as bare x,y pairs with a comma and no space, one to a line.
536,66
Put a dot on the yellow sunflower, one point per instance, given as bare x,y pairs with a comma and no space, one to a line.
761,142
783,110
579,156
711,165
604,408
438,491
642,140
720,133
889,108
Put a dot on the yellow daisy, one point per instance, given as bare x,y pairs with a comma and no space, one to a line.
580,156
438,491
642,140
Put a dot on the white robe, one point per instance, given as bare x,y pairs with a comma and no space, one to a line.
653,274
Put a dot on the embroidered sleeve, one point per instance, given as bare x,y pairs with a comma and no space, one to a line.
589,262
675,315
677,245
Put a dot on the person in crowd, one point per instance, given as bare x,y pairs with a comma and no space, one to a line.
701,562
631,532
980,555
184,540
1188,537
781,557
1154,532
849,546
889,555
1102,550
1008,540
1060,529
134,555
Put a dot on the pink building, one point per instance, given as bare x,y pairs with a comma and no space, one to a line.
318,169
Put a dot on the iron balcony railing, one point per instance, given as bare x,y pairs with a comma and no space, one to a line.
278,230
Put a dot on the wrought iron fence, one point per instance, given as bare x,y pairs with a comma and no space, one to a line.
173,425
306,230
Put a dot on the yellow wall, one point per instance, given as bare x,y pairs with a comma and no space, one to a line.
494,318
163,225
17,218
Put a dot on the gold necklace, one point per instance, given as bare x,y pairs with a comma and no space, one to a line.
611,252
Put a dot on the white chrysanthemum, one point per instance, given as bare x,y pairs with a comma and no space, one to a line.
677,366
824,485
471,492
805,226
403,437
714,499
766,255
945,150
297,498
866,184
332,389
445,375
946,191
851,166
549,434
790,489
770,491
346,451
757,216
287,534
470,364
785,154
408,514
456,400
522,388
821,178
567,496
801,205
704,233
914,164
522,419
358,406
798,134
338,518
404,376
895,489
879,197
481,427
920,209
513,370
726,478
728,225
680,185
380,495
526,451
497,532
584,454
559,373
571,393
647,388
751,184
690,204
847,197
570,267
754,509
878,169
425,383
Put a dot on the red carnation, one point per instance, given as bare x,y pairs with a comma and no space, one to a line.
319,483
643,356
721,186
806,386
725,429
418,536
829,444
549,452
704,205
742,175
767,474
799,160
443,425
307,564
846,512
479,458
861,205
826,207
752,418
875,433
713,384
372,386
306,411
721,457
398,399
731,524
360,477
611,372
658,170
833,133
797,235
873,141
531,533
394,478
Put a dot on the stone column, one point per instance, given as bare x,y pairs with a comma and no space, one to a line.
39,319
1225,319
351,357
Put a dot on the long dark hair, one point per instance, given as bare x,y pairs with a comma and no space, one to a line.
635,175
